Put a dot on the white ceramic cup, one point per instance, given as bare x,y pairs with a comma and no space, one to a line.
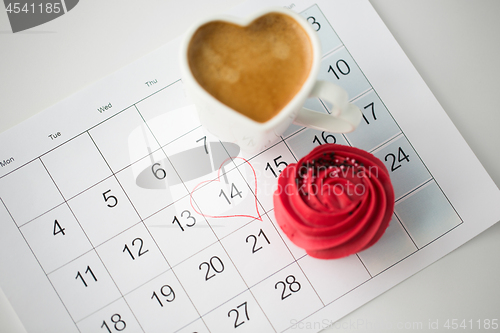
252,136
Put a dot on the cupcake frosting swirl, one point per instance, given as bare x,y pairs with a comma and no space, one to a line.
335,201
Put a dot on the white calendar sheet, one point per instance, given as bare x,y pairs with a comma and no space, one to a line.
120,213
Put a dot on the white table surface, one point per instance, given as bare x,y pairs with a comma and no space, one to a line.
453,44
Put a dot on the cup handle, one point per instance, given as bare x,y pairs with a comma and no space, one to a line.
344,117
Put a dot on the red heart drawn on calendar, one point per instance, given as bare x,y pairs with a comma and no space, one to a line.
208,185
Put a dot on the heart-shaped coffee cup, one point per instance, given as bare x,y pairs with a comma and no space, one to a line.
249,78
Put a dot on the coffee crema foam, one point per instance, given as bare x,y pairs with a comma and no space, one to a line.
255,70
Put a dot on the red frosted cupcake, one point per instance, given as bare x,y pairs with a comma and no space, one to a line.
335,201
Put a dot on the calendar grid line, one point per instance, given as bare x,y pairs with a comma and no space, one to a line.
126,108
99,309
363,94
133,313
273,273
225,250
175,252
208,182
208,222
162,148
219,239
447,199
42,214
385,269
215,242
157,91
336,299
249,187
293,134
219,306
246,284
65,201
324,105
113,175
388,141
417,248
163,208
249,289
246,182
415,189
184,289
366,268
63,143
119,233
397,124
69,262
194,254
290,150
180,137
288,248
310,283
328,53
88,129
90,187
442,235
258,154
239,228
191,322
401,131
173,271
406,230
347,140
146,282
298,264
38,261
140,222
116,285
344,137
397,262
97,253
147,229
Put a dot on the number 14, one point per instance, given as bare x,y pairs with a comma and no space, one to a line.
234,193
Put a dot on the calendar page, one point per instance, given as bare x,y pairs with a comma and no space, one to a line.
120,213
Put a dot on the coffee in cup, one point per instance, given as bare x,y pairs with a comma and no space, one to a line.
249,78
255,69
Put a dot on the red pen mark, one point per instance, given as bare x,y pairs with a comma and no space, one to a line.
258,217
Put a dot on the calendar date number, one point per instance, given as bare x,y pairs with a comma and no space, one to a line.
369,107
278,166
261,238
118,324
88,275
239,319
288,287
213,267
110,199
188,220
58,229
325,138
234,193
396,162
137,245
167,294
